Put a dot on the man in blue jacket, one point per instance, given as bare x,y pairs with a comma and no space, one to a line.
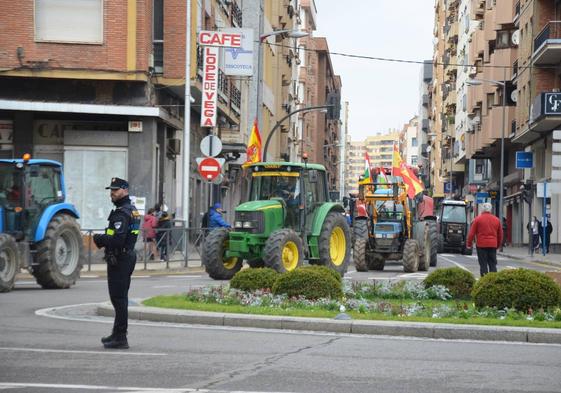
215,217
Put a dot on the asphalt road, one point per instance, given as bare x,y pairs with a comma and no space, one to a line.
39,353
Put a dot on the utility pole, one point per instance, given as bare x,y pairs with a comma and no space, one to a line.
187,118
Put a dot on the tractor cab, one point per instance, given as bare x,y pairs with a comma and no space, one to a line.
27,188
453,226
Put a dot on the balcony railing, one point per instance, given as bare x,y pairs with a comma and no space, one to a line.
547,44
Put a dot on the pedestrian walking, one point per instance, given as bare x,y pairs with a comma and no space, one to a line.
149,231
215,217
488,233
164,235
548,229
534,225
505,228
118,241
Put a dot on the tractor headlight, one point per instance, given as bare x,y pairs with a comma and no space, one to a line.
248,224
238,224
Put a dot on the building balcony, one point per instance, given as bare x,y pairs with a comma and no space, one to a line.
452,33
425,100
546,112
425,125
547,44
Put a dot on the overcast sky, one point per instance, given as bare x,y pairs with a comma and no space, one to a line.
382,95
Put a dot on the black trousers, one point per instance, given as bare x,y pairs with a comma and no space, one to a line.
487,258
119,281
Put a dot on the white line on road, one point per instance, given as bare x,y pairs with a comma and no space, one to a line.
163,286
8,385
46,350
182,276
453,262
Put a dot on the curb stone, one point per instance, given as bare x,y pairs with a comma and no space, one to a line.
381,328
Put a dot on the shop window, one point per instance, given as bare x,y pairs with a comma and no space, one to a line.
69,21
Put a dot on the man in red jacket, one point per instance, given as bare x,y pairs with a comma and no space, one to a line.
488,231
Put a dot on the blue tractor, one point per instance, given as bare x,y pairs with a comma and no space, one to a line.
38,229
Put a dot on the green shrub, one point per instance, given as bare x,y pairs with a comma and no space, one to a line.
458,281
310,283
520,289
324,270
254,279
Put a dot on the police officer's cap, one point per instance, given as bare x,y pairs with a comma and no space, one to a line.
117,183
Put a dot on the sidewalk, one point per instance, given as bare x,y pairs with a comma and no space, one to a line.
363,327
522,253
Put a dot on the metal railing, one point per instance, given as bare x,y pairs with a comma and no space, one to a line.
551,30
169,243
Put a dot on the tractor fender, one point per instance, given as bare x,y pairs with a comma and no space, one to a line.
321,213
48,215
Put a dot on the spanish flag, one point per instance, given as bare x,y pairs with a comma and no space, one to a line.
253,146
367,176
412,183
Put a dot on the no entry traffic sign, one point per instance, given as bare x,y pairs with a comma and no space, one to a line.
209,168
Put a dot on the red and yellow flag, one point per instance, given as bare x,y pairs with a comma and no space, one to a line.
253,146
412,183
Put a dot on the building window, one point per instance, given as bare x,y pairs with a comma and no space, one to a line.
77,21
158,33
414,142
414,160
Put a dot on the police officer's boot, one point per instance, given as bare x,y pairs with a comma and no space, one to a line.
117,342
106,339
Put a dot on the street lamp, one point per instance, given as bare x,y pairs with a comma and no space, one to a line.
289,33
475,82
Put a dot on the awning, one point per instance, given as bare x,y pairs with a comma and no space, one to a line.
69,107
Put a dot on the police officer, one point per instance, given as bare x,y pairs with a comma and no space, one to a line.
119,240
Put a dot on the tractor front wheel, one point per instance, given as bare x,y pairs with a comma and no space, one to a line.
60,255
216,265
335,243
283,251
9,262
359,255
411,256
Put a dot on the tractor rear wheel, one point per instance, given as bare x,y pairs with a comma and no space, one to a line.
214,248
335,243
283,251
60,255
359,255
433,234
411,256
9,262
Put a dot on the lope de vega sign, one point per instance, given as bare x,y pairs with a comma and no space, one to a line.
212,41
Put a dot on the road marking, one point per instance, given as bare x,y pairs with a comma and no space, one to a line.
163,286
454,262
107,352
413,275
15,385
182,276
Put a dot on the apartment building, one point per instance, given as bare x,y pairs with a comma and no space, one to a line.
355,165
320,135
83,92
409,145
538,116
424,122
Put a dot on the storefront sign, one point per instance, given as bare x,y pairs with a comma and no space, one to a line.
552,104
239,61
135,126
210,86
220,39
524,160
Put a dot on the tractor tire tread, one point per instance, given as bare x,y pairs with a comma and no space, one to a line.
213,252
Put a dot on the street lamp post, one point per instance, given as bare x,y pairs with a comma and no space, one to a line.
474,82
305,109
262,38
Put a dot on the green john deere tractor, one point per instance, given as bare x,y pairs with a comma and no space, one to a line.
286,220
